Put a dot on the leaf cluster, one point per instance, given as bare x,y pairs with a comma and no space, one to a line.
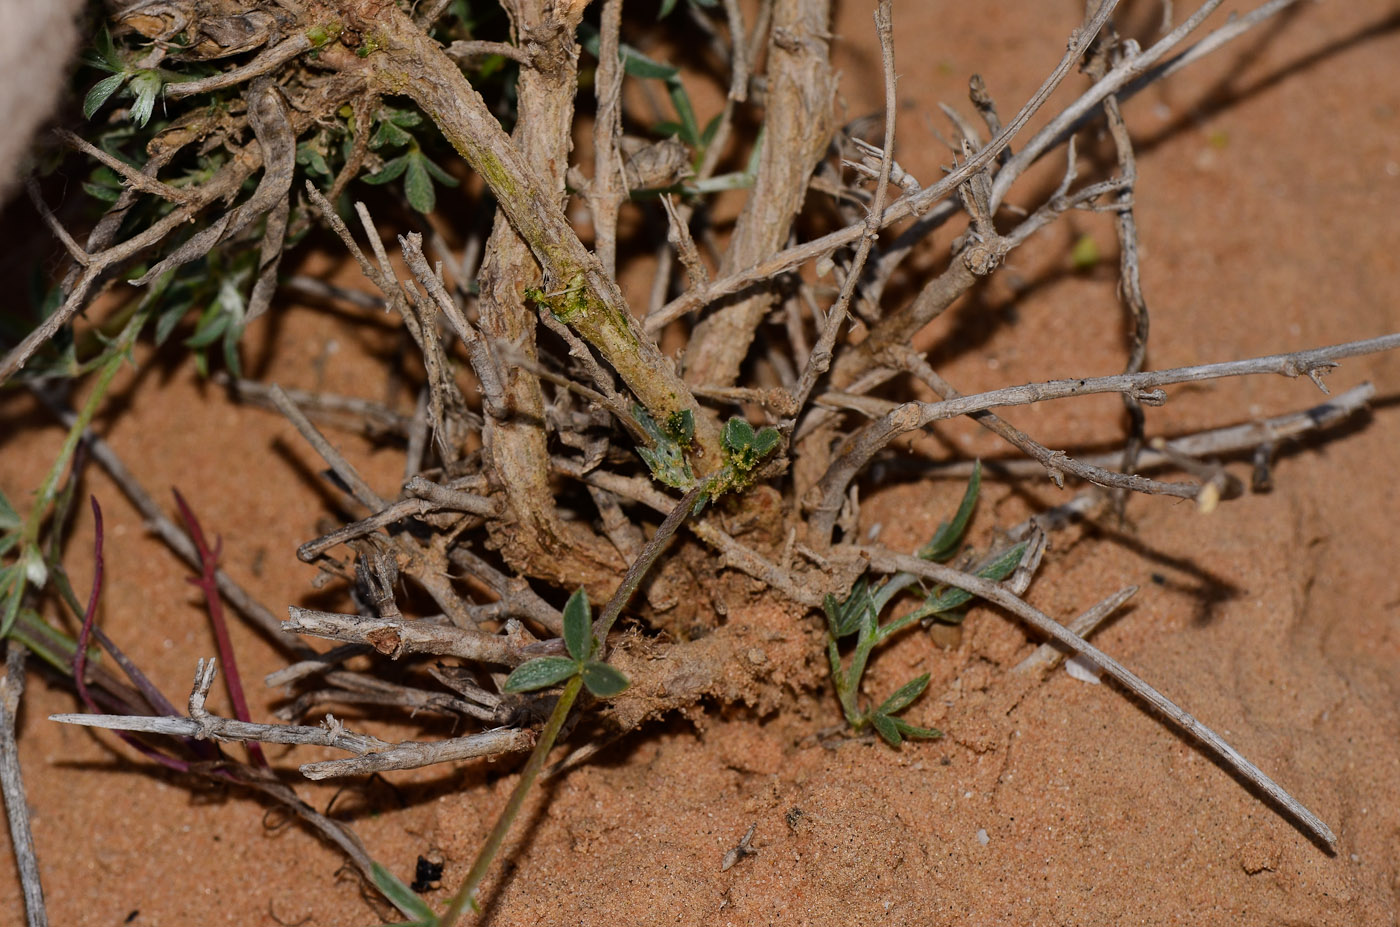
143,84
857,616
394,132
744,449
685,126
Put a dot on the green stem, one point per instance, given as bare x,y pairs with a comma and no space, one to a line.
845,691
47,491
118,350
643,563
467,893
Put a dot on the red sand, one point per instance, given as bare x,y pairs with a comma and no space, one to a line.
1267,207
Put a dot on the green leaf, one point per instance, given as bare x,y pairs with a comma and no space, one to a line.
9,518
639,65
169,318
680,427
311,158
945,540
664,458
404,898
418,186
603,680
489,65
738,434
711,128
666,7
100,93
232,335
540,674
886,728
633,61
386,133
403,118
1005,565
390,171
49,645
844,618
210,329
766,440
951,597
440,175
904,696
578,626
106,58
690,128
910,730
102,193
11,592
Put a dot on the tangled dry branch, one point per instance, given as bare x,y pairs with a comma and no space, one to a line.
533,480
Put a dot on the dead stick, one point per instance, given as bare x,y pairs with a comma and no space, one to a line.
888,562
12,785
1047,654
337,462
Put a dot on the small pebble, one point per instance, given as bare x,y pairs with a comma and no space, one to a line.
982,837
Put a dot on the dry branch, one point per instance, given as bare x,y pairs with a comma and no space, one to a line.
12,787
1144,386
887,562
371,753
396,637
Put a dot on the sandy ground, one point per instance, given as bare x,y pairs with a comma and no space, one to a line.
1270,183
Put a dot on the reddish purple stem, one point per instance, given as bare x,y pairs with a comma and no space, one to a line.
147,688
80,653
208,583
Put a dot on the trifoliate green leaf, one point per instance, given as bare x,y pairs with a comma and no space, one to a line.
146,85
843,618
